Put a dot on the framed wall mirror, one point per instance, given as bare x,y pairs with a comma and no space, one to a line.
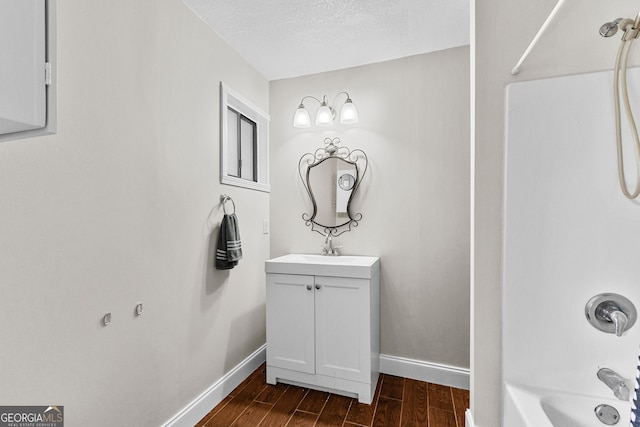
331,175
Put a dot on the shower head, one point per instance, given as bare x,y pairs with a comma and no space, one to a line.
610,28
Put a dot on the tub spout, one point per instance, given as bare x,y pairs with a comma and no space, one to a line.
615,382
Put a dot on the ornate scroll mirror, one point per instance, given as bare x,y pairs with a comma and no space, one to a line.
332,175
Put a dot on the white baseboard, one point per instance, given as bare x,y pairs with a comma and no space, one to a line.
425,371
196,410
468,419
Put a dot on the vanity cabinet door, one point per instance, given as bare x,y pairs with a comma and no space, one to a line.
343,338
290,322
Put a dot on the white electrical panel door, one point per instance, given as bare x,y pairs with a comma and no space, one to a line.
22,65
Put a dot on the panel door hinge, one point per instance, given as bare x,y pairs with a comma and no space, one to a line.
47,73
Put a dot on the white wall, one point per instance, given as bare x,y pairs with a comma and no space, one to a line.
119,207
414,123
569,234
502,32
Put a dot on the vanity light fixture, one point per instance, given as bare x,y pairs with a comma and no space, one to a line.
326,113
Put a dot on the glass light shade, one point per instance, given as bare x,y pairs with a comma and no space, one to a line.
301,118
324,116
349,113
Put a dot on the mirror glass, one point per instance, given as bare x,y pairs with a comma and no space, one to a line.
331,182
332,176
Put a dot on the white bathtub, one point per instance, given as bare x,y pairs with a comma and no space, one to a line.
536,407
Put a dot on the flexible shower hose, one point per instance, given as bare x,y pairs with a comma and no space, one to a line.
623,53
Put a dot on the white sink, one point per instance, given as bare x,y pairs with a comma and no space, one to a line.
325,259
324,265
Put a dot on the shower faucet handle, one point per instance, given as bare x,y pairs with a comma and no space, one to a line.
620,321
611,313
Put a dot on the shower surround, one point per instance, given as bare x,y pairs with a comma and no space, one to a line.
569,234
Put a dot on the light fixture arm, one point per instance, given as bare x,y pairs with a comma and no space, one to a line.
312,97
324,99
336,98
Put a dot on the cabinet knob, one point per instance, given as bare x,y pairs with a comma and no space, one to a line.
308,287
317,286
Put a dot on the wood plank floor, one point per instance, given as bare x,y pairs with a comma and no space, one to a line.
398,402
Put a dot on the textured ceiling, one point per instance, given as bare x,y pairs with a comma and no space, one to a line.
289,38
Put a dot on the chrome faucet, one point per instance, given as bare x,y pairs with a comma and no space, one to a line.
328,248
615,382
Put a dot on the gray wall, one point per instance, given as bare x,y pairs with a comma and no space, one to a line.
414,127
119,207
502,32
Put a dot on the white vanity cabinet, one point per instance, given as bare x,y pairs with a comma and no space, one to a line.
323,331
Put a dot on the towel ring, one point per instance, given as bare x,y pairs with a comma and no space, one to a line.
224,199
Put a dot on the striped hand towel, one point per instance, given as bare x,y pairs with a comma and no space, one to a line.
635,405
229,249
